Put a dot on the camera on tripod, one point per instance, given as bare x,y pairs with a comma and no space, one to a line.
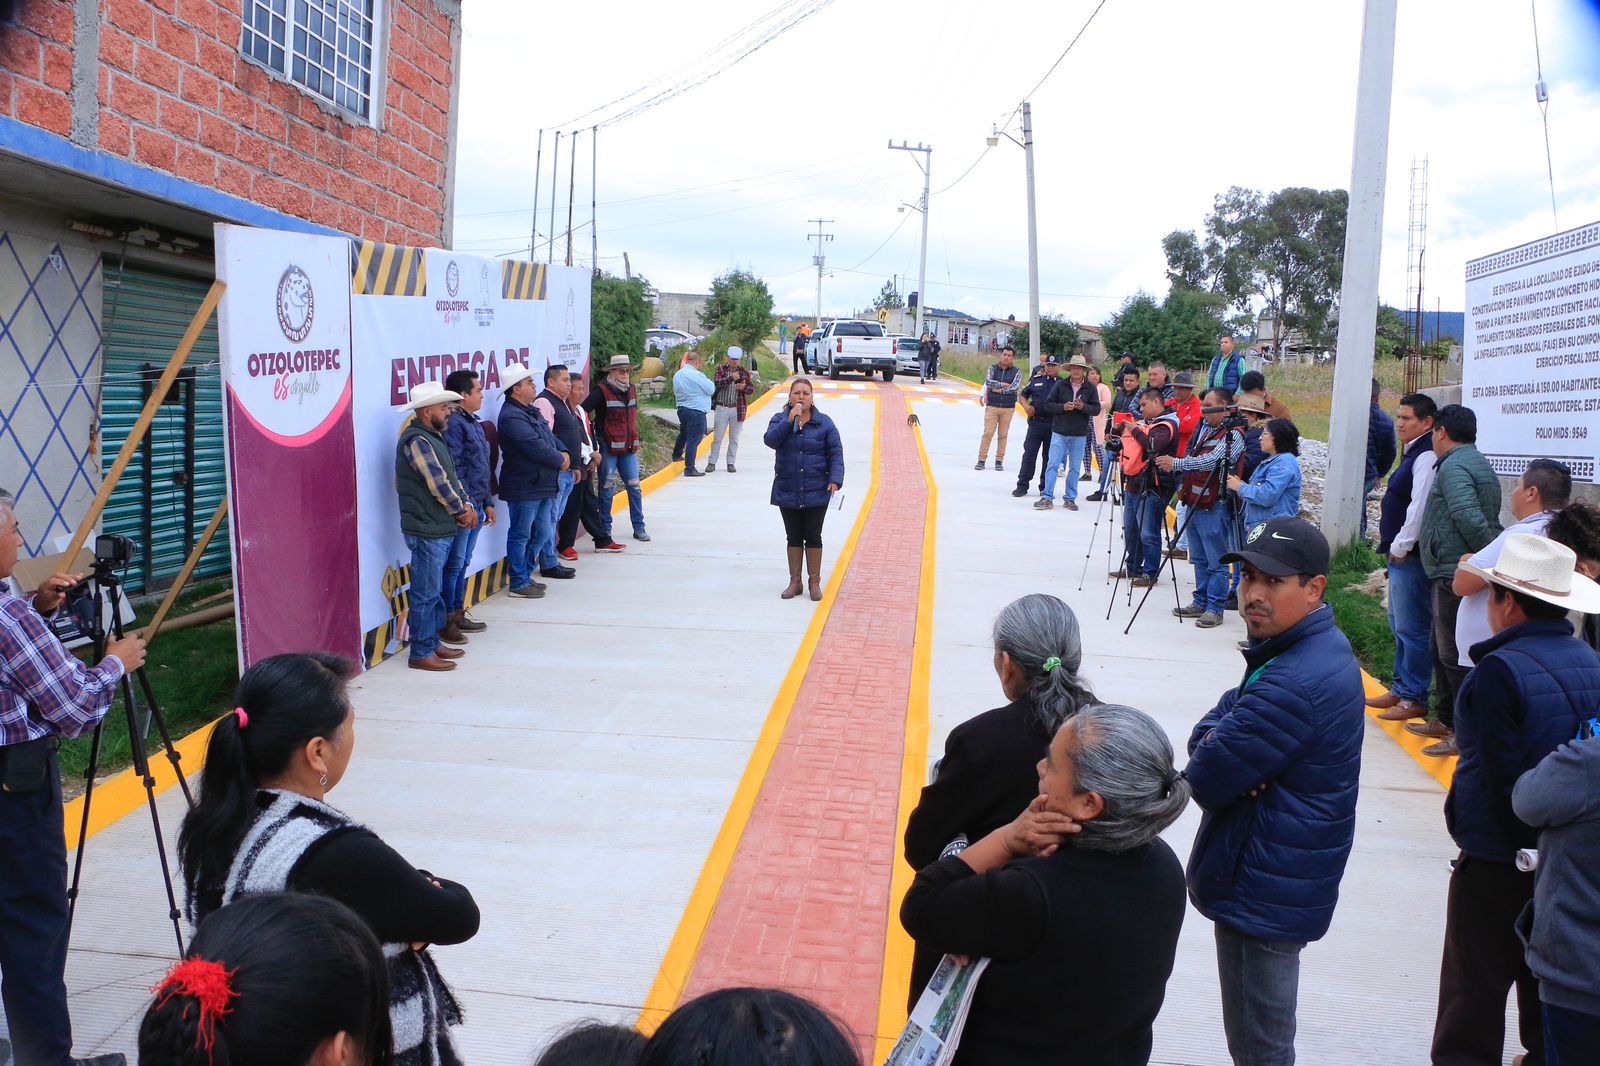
113,549
82,603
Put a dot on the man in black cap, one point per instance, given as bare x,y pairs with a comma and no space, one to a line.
1038,387
1274,767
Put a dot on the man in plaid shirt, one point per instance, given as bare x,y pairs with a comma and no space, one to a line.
45,692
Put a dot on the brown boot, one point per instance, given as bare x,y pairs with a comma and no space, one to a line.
444,651
794,574
451,633
467,624
814,572
432,662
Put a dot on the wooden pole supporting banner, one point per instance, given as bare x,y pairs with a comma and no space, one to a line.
208,306
188,568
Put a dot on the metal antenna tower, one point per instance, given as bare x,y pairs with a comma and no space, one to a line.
819,260
1416,253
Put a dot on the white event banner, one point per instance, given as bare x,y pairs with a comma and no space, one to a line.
1531,359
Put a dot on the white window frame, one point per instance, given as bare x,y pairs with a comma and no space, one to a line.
288,55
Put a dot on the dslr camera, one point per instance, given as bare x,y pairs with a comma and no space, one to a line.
114,549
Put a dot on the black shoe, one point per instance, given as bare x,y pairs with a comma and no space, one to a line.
999,464
694,473
1071,505
1232,603
1086,476
1019,493
979,466
558,572
1095,497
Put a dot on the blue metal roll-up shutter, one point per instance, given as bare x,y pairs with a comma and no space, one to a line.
177,477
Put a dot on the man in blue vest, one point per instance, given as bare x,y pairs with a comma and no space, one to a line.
1380,450
563,425
531,462
469,447
1227,366
433,505
1410,594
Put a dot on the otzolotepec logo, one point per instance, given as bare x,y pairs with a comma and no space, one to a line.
452,278
297,304
1255,534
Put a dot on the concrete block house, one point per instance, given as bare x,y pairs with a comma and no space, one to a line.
129,127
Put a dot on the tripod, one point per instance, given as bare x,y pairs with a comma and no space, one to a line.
108,594
1111,488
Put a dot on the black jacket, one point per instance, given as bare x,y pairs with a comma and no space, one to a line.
1072,423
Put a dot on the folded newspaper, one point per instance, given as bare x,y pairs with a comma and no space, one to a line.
934,1028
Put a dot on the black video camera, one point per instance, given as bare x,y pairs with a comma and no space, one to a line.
114,549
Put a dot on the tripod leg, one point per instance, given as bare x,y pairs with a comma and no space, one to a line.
1089,552
83,826
1170,562
156,714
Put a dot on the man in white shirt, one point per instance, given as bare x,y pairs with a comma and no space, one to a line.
1410,596
1543,489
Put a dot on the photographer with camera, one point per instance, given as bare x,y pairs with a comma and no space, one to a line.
1215,451
1147,487
45,693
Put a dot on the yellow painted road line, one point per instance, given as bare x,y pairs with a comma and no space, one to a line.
678,961
1441,770
121,793
897,946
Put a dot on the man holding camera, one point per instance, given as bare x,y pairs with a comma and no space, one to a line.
1149,488
1215,451
45,693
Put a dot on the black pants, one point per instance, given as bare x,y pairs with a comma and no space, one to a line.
33,924
691,430
1448,673
799,361
583,505
1483,958
804,525
1038,437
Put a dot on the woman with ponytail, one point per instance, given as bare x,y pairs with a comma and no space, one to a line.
988,770
277,980
262,825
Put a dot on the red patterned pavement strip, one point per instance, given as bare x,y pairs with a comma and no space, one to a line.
805,904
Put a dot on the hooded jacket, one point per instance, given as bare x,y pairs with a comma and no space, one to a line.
809,459
1269,865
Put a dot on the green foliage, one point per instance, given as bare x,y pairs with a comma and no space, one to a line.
1359,614
1181,331
1392,337
740,303
619,313
888,297
1057,336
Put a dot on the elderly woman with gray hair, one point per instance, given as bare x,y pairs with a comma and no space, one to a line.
988,772
1077,902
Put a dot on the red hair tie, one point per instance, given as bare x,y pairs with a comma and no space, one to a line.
209,983
244,719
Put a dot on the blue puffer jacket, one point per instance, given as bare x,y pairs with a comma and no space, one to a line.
1532,685
809,459
530,455
470,449
1269,865
1382,444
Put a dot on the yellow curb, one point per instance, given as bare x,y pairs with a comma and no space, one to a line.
121,793
1441,770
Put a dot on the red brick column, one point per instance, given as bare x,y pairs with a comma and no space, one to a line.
805,905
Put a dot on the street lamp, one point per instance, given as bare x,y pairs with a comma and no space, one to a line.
1026,144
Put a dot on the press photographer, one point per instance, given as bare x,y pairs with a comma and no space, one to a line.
45,693
1215,451
1148,488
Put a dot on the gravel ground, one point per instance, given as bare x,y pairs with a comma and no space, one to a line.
1313,471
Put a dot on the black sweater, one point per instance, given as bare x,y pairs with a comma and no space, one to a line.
398,901
1073,423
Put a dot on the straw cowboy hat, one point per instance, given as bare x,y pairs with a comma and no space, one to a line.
514,373
1078,360
620,362
1541,568
428,393
1249,401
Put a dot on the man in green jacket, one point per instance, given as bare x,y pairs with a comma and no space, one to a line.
1461,516
433,505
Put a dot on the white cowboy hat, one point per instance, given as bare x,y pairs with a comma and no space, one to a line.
514,373
428,393
735,352
1078,360
1543,569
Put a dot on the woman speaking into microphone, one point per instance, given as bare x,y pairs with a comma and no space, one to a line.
808,470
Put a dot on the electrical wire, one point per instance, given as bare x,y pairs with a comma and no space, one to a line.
903,220
1029,94
964,173
1543,96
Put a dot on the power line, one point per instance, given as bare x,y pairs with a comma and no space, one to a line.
1542,95
1031,92
964,173
879,248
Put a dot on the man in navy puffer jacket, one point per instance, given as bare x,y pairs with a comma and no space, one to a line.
1275,767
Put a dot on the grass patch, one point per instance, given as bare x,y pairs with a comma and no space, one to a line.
1360,614
657,438
193,673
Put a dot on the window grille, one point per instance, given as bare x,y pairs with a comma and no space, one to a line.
325,45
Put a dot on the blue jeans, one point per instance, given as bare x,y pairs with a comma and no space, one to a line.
1411,619
545,529
1142,521
455,567
523,531
628,467
1069,450
33,922
426,614
1208,543
1570,1036
1260,982
1181,527
691,428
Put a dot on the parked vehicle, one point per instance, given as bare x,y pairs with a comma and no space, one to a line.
905,354
659,340
853,346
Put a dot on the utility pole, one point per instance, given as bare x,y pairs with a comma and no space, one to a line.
1033,244
819,259
1358,297
538,167
594,196
926,165
572,192
555,165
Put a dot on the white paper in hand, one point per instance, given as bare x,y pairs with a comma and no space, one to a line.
934,1028
837,503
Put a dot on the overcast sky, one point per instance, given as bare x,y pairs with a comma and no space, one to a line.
1160,106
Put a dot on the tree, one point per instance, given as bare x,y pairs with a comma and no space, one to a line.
1057,335
888,298
619,313
1392,335
740,304
1181,331
1136,328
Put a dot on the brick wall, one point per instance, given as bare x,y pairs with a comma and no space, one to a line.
176,94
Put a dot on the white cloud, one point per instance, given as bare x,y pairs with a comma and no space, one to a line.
1162,105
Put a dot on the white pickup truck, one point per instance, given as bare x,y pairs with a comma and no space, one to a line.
859,347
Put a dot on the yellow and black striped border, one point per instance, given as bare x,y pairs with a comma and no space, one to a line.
522,281
386,640
378,269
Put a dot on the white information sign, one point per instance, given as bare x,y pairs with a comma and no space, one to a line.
1531,366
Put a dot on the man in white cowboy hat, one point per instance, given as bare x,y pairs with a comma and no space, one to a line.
1071,404
433,505
531,461
614,407
1533,686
